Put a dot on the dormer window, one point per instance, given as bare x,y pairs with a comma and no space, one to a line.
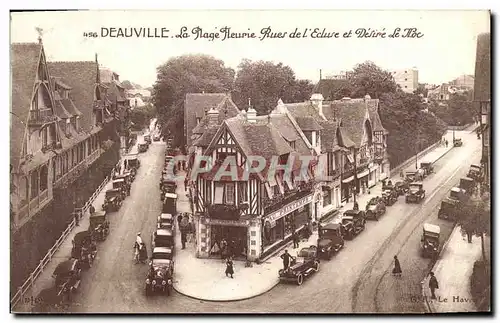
68,125
77,123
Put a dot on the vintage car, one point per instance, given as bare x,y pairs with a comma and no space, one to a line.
475,172
122,184
163,238
99,225
353,222
159,277
84,248
468,185
375,208
147,138
330,240
113,200
389,197
416,193
166,221
427,167
430,240
449,208
457,142
305,264
414,176
156,137
142,147
68,276
458,194
387,185
401,187
170,203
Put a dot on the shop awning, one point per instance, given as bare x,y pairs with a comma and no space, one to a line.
347,180
363,173
373,168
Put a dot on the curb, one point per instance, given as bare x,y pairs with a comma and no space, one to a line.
430,308
228,300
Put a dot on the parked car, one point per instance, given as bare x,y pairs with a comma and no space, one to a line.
159,278
305,264
401,187
163,238
68,278
170,203
330,240
458,194
449,209
375,208
353,222
416,193
84,248
457,142
166,221
429,243
389,197
99,225
427,167
468,184
112,200
475,172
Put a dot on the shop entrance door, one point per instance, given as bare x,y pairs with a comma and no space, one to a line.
236,238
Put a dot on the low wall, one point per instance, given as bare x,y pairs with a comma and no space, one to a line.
407,162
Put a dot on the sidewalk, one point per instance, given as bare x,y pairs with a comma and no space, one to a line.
45,279
452,271
209,282
432,156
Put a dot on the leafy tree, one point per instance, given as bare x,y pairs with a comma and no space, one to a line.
421,90
368,78
332,89
186,74
127,85
265,82
475,217
459,110
140,116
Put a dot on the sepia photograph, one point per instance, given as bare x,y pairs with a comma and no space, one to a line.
250,161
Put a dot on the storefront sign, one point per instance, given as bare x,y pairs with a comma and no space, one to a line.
230,223
290,208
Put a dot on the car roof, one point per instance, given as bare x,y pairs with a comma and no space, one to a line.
352,211
171,195
432,228
456,189
165,216
65,266
163,232
118,180
97,214
347,217
331,226
476,165
467,179
162,250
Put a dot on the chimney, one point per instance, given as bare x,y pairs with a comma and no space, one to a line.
367,97
317,101
213,117
279,109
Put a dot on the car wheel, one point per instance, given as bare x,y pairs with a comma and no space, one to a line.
300,279
316,266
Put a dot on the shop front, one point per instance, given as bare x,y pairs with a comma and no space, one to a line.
279,225
373,176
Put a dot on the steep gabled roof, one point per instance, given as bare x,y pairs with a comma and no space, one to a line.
81,77
373,106
352,115
24,61
287,130
196,104
206,137
308,124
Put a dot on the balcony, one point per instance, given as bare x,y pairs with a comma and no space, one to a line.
40,117
35,205
278,201
224,212
72,175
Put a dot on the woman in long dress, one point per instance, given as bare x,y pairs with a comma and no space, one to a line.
397,267
229,267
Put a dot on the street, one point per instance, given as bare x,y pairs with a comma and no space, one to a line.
358,279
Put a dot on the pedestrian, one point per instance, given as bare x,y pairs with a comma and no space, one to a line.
183,239
469,236
401,174
229,267
446,142
286,259
397,267
433,285
223,247
92,209
295,238
179,220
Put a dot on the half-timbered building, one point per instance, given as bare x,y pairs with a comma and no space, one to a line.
255,211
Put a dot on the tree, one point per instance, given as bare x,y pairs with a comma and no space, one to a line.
460,109
265,83
333,89
421,90
368,78
140,116
186,74
475,217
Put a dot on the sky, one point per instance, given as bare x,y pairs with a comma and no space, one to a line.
445,50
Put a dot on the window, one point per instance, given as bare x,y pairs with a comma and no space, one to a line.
242,192
292,144
198,121
218,193
327,197
44,174
89,148
34,184
406,87
23,191
72,162
44,138
52,132
229,194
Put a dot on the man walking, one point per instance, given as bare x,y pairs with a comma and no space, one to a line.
295,238
286,259
433,285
